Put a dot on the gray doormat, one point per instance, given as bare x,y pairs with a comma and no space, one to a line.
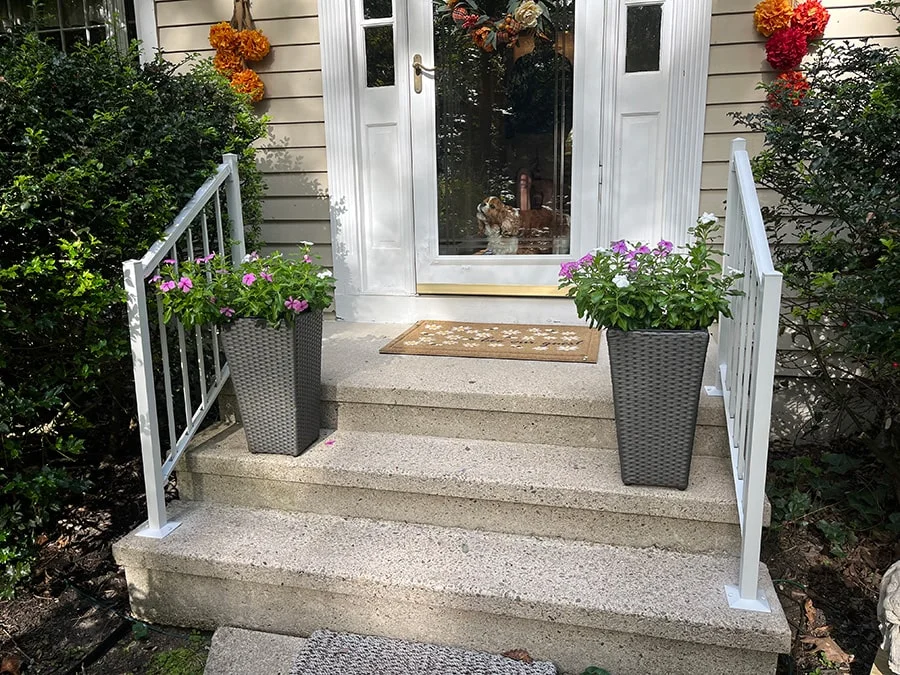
327,653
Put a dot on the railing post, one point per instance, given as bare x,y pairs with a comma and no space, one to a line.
235,211
142,357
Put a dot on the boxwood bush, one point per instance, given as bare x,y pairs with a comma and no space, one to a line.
97,155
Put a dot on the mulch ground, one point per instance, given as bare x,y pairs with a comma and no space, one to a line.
74,619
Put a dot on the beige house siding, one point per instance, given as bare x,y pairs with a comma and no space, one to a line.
293,156
737,63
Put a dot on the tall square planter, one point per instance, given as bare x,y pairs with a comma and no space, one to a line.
277,375
656,381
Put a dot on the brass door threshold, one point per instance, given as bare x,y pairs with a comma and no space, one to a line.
491,289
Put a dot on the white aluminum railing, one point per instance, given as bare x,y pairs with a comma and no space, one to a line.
747,344
178,242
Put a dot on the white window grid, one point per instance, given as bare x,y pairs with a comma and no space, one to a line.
67,23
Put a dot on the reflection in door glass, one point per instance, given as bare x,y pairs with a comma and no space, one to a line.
643,36
504,133
380,56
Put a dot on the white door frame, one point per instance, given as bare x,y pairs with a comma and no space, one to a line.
360,298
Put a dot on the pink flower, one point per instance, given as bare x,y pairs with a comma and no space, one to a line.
265,275
567,268
227,311
620,247
643,250
248,279
155,279
586,260
167,286
329,442
307,259
185,284
169,261
296,305
663,248
206,259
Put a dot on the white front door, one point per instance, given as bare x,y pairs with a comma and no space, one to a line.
495,134
587,133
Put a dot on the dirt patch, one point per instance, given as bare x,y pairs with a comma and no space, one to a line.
830,599
75,617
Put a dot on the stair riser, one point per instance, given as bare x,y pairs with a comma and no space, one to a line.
204,602
496,426
620,529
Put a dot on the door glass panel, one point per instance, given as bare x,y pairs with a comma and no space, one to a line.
377,9
380,56
504,141
643,38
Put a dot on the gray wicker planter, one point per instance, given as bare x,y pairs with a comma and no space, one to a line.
656,379
277,375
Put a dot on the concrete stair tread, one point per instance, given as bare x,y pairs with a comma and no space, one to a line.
235,651
565,477
354,371
650,592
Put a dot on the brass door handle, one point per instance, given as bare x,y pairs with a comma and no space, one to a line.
418,69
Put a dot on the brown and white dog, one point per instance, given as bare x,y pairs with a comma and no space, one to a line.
503,225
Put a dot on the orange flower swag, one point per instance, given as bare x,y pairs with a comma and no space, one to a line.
248,82
773,15
793,84
228,63
253,45
233,50
791,30
811,18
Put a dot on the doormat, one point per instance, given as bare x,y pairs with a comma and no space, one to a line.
575,344
327,653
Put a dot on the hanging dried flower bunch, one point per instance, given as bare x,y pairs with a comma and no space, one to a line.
791,31
522,18
237,43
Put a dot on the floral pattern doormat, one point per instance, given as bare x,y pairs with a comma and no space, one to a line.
578,344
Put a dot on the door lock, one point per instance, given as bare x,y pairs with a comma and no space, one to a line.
418,68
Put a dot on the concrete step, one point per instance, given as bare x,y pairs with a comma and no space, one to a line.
235,651
487,399
519,488
633,611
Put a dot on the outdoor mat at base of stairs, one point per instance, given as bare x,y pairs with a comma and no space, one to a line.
327,653
524,342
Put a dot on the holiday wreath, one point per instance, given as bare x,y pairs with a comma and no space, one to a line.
522,17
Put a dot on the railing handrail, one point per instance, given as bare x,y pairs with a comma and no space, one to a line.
747,347
756,227
136,273
156,253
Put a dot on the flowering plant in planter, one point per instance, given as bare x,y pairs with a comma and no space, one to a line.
272,288
657,304
634,286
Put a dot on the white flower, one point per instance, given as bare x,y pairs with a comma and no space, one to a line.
621,281
306,243
600,250
324,274
528,13
708,218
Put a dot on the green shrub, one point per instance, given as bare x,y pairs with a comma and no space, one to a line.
97,155
833,158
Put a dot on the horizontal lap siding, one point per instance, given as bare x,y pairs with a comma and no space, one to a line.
292,156
737,64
